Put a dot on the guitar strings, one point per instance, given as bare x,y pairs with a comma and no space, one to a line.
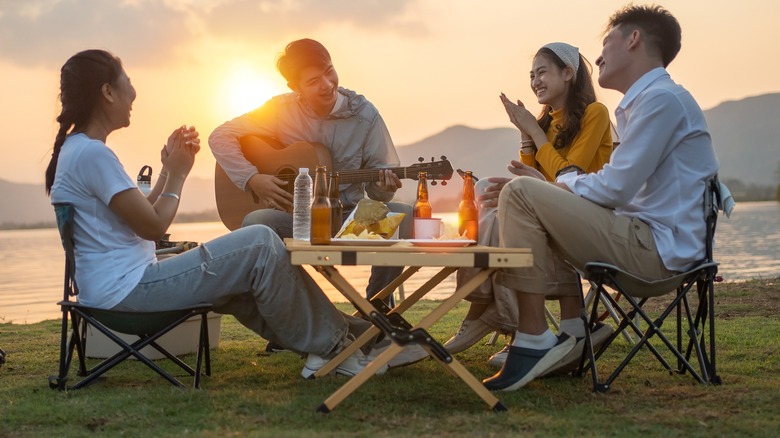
366,175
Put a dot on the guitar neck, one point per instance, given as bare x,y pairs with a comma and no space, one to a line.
368,175
365,175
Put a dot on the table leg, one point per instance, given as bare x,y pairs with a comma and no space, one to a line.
382,294
342,285
394,349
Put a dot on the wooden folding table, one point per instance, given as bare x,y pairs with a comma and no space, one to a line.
325,258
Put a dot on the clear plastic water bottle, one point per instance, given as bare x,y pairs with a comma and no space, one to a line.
302,205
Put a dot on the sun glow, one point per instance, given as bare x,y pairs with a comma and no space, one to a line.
246,89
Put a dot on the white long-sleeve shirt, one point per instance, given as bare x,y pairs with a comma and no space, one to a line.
658,173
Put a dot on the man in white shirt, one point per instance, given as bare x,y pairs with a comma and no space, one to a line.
641,212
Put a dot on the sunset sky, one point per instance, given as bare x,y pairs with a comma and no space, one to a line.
426,64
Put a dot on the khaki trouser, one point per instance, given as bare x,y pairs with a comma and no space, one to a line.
502,309
558,225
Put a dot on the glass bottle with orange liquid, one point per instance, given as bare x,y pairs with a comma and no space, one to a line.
336,208
468,215
422,207
320,210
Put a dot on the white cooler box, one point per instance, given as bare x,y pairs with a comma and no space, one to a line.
183,339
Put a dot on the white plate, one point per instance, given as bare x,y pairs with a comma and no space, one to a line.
363,242
441,242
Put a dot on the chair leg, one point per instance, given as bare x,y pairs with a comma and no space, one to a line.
134,350
60,380
609,309
73,339
702,331
587,352
626,321
203,349
710,299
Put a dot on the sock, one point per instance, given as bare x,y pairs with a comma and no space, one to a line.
544,341
574,327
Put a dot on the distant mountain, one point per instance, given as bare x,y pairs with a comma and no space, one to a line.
27,204
486,152
24,204
746,136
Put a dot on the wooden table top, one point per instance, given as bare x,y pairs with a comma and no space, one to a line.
405,253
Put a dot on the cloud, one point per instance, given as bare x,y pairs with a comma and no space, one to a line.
271,20
47,32
152,32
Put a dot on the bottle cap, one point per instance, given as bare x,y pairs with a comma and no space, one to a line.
145,175
303,170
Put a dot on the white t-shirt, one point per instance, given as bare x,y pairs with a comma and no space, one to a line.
110,257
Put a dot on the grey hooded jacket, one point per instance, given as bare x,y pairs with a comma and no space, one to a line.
354,132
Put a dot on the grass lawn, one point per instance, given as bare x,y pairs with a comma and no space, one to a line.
252,393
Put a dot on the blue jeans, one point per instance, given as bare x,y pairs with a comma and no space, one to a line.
247,274
281,223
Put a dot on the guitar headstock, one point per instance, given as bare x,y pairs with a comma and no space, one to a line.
436,170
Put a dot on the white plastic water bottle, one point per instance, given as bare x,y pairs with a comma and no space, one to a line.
302,205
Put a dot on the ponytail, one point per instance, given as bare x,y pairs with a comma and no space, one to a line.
80,80
51,170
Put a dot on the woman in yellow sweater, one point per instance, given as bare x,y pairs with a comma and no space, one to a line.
571,134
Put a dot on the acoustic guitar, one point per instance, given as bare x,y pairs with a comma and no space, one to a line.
273,158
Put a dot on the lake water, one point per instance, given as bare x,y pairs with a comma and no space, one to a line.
31,261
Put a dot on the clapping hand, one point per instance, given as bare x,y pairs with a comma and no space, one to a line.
519,115
178,155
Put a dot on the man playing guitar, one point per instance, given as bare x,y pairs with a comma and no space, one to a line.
317,111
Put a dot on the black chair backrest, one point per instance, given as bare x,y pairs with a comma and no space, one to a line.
712,201
65,222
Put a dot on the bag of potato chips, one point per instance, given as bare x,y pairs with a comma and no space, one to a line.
371,220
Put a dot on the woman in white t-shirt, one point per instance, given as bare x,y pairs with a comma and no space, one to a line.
246,273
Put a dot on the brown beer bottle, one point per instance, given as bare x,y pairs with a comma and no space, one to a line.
422,207
468,215
336,208
320,210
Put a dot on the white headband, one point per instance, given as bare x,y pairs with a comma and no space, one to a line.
569,54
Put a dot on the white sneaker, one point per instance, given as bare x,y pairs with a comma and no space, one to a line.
470,332
497,360
571,361
410,354
351,365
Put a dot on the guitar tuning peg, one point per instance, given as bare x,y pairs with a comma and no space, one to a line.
444,183
433,183
420,159
443,157
432,159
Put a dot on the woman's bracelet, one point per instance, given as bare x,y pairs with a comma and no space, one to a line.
171,195
527,150
527,143
163,175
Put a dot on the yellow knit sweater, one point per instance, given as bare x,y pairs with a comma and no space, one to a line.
589,151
